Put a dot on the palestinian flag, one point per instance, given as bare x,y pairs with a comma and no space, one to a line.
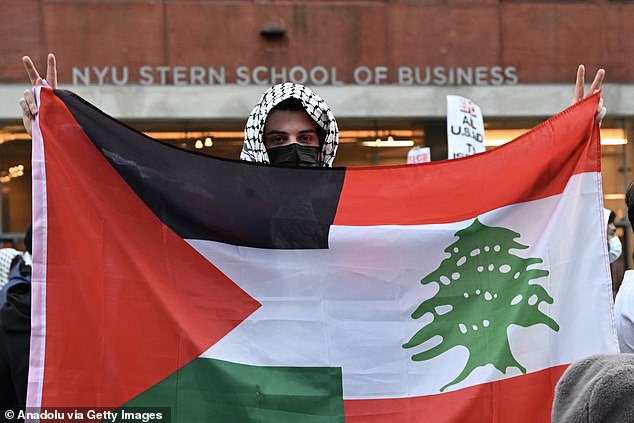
453,291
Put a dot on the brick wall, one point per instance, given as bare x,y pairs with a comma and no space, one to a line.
543,40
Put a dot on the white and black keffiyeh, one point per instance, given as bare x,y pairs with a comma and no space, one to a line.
254,150
7,255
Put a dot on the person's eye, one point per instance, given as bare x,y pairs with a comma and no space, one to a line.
307,138
276,139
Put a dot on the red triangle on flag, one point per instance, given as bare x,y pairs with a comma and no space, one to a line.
128,301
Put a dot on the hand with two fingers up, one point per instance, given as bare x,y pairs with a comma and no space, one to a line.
27,102
580,93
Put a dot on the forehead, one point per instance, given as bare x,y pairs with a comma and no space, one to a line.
289,121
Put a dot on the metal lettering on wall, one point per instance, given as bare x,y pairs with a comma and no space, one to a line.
317,75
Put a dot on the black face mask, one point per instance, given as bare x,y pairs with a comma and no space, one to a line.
294,155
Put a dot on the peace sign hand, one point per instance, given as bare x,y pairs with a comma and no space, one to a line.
594,88
27,102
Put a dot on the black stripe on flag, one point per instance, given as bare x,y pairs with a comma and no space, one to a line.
202,197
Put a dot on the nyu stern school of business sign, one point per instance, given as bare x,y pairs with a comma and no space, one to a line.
316,75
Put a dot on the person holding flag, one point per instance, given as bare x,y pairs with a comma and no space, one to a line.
624,301
289,292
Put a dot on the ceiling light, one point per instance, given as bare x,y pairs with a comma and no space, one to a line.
497,137
388,143
614,196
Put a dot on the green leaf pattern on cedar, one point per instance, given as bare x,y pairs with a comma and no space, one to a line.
483,290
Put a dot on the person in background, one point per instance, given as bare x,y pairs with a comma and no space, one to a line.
624,302
614,251
7,259
600,388
597,389
15,334
614,243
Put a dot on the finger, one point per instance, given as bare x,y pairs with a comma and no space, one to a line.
601,112
598,118
25,107
29,98
581,74
598,80
30,69
51,70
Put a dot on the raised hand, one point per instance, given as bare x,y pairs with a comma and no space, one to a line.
27,102
580,93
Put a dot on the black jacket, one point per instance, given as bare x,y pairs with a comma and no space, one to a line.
15,333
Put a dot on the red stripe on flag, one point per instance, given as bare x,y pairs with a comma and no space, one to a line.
536,165
521,399
128,302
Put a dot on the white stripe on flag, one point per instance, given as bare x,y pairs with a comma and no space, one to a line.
38,278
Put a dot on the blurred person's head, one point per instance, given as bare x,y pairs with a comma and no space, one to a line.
614,243
610,216
598,388
291,126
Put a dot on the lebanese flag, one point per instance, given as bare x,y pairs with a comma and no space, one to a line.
454,291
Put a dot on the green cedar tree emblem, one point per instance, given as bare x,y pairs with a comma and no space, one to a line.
483,290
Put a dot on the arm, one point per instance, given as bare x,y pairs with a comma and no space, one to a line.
27,102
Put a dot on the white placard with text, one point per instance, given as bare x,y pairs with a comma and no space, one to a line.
419,155
465,127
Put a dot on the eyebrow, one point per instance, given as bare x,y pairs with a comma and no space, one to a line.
303,131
